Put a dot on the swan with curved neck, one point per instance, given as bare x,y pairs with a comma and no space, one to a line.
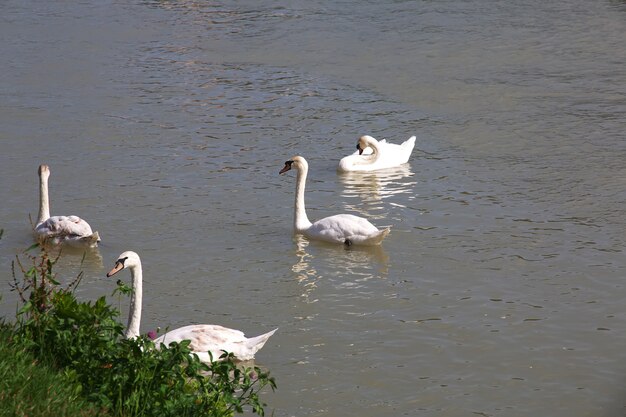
383,155
341,228
70,230
204,338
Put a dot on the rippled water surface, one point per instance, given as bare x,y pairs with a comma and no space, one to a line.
500,291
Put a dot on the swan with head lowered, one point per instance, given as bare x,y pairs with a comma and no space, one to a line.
383,155
204,338
56,230
341,228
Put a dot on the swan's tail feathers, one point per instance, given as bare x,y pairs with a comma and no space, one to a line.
256,343
410,142
378,238
91,240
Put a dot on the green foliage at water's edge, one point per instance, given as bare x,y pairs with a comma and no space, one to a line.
31,388
83,342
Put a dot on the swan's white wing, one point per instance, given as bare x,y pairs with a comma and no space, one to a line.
213,338
386,146
392,154
66,229
202,335
340,227
393,147
409,143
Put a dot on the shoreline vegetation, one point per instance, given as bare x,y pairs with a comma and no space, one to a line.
65,357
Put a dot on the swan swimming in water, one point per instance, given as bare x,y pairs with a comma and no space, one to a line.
383,155
341,228
204,337
70,230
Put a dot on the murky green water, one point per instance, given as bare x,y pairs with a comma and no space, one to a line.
500,291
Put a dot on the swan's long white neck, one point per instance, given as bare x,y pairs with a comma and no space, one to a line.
134,316
373,143
300,220
44,202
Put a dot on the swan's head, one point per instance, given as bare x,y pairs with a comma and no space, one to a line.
44,171
296,162
128,259
364,142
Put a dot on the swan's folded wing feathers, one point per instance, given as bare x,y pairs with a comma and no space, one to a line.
65,226
340,227
409,144
212,338
198,332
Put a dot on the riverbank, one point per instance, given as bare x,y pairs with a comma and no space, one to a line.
67,357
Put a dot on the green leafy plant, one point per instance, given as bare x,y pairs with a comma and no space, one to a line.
126,377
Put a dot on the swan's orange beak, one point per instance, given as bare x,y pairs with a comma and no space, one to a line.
117,268
358,146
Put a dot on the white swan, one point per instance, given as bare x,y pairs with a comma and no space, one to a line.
204,337
384,155
56,230
341,228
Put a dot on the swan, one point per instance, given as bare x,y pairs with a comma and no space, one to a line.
204,337
340,228
383,155
60,229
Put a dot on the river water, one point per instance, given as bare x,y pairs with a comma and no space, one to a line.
500,291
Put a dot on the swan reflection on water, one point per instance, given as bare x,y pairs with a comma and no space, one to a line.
72,257
305,272
318,260
375,186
